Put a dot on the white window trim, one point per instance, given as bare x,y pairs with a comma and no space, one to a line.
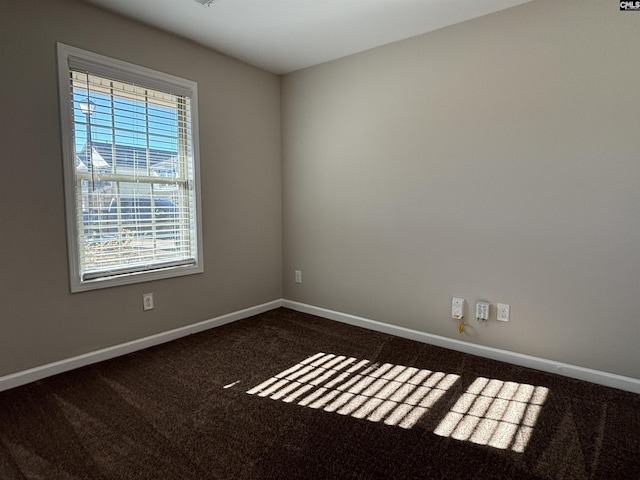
101,65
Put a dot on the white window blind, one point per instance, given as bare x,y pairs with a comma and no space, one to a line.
131,171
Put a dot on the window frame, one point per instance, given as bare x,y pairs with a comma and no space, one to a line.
71,58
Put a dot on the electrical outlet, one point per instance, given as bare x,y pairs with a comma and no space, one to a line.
503,312
298,276
147,301
482,310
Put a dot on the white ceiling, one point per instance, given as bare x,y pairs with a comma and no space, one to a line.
282,36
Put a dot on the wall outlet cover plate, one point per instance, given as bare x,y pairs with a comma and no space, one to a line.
503,312
482,310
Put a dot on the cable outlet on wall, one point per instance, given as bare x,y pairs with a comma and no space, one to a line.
298,276
147,301
457,307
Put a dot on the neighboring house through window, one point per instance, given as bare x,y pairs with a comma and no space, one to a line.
131,171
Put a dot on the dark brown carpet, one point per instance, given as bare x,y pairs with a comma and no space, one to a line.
285,395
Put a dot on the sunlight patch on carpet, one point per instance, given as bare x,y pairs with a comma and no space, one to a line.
495,413
393,394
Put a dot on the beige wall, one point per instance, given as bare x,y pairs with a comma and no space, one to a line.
495,160
239,106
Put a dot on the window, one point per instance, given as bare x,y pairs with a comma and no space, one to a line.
131,171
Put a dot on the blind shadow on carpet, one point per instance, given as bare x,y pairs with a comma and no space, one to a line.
286,395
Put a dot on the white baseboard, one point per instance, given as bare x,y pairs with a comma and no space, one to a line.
567,370
37,373
594,376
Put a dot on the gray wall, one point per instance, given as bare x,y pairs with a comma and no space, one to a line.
495,160
40,321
